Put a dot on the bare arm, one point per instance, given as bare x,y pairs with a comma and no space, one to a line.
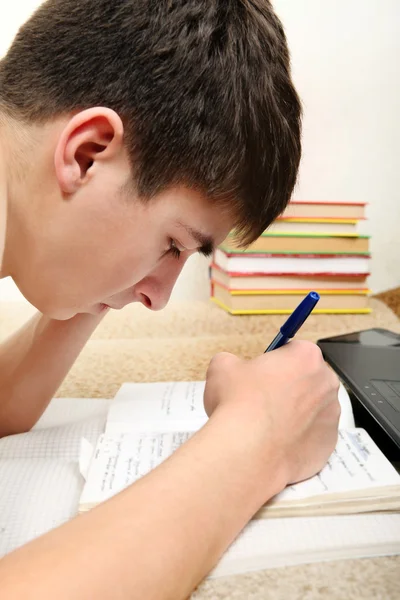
33,364
160,537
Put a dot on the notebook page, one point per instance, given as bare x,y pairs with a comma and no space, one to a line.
346,415
40,482
62,442
175,406
171,406
121,459
276,543
356,463
58,432
36,496
63,411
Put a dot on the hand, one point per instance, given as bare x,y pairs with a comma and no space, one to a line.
291,394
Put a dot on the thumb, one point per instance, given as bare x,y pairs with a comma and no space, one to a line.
219,374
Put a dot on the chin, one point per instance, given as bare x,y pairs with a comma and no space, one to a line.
54,311
52,306
64,314
58,314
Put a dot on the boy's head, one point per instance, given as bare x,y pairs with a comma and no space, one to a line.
131,123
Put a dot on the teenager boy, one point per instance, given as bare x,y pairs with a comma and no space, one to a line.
133,134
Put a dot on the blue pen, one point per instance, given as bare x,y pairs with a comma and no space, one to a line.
295,321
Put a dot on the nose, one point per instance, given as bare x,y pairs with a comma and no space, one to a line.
155,289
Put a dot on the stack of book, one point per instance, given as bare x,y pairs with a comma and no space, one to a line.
313,246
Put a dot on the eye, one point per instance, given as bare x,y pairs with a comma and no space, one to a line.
174,250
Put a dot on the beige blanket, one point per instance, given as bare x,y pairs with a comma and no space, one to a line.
177,344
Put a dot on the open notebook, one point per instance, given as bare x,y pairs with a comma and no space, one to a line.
148,422
40,483
171,412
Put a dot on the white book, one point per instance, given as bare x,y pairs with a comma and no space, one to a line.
293,265
273,543
40,480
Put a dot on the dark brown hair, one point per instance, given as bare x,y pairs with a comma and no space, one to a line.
203,87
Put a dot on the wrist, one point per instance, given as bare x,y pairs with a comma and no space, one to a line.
246,429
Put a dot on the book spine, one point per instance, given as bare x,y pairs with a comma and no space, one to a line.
293,274
331,220
325,203
336,311
290,292
282,254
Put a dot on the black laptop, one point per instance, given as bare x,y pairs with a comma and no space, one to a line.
368,363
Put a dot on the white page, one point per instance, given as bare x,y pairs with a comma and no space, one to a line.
62,442
291,264
64,411
356,463
273,543
171,406
36,496
346,415
175,406
40,483
121,459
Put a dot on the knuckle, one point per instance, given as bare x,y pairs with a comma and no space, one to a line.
315,353
221,360
309,352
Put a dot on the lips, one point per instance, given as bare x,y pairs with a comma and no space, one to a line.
114,307
128,297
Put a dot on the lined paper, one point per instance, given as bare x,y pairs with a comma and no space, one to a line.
356,463
175,406
120,460
170,406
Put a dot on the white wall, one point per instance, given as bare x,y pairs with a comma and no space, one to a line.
345,64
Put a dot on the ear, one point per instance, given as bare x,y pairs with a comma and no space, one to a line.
92,136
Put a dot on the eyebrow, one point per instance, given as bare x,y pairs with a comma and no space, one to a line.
206,242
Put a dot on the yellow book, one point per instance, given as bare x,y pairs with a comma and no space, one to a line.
301,244
335,227
245,302
325,210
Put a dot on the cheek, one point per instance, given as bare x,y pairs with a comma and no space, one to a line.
123,252
128,269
